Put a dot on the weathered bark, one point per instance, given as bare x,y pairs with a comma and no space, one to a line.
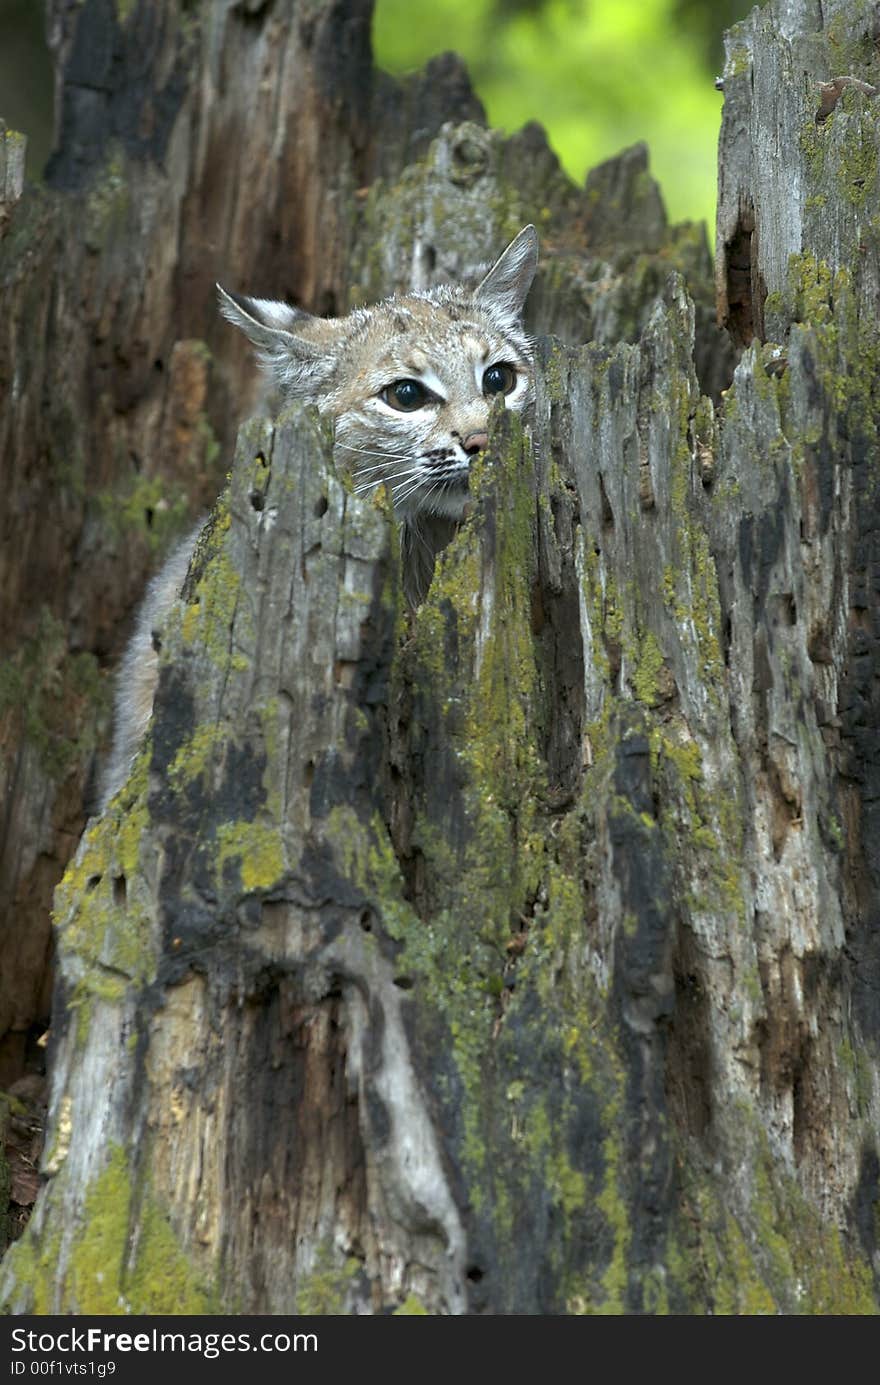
521,954
226,142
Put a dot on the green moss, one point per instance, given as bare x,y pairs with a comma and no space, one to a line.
147,506
107,204
773,1254
835,831
124,1259
812,138
324,1289
488,703
775,304
739,62
857,1064
704,420
650,663
105,1278
33,1268
612,1203
566,1186
553,374
809,287
844,346
102,910
195,755
411,1307
739,1288
212,607
45,691
858,174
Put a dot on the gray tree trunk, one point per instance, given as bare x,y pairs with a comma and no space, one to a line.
521,954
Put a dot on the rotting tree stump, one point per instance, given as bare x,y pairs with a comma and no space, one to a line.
519,954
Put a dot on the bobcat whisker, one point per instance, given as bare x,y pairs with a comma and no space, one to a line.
435,482
383,466
406,491
427,496
378,481
375,452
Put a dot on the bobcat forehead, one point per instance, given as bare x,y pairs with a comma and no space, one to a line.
476,346
432,348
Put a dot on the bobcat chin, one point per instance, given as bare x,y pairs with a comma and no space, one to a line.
409,384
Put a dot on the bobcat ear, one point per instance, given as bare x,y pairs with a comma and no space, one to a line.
295,364
506,286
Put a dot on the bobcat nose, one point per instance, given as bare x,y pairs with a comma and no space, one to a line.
475,442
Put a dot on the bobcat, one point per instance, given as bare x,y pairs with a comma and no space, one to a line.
409,384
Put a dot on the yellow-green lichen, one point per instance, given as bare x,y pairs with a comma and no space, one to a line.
124,1258
565,1185
212,599
102,910
257,847
647,670
772,1254
194,756
411,1307
739,61
323,1290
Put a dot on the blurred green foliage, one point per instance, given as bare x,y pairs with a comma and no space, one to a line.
598,74
26,78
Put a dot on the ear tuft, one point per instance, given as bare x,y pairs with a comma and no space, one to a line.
259,317
506,286
294,364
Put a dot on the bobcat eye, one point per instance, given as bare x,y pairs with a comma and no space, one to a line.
499,379
406,395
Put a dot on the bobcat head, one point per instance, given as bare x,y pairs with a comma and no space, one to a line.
409,383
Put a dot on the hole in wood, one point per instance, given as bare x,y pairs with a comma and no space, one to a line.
321,506
782,609
273,913
741,308
607,512
819,645
93,882
257,499
404,983
120,891
366,920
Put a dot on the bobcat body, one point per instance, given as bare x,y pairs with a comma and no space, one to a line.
409,384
